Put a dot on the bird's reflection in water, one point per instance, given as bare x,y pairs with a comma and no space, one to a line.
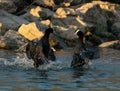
80,75
78,72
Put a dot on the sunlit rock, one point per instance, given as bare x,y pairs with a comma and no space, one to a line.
4,46
30,31
35,11
106,6
111,44
46,22
60,13
64,12
48,3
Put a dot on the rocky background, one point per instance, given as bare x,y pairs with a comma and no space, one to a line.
24,20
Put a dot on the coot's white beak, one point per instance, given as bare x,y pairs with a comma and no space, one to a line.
76,32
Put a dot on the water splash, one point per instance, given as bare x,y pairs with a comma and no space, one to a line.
8,59
25,63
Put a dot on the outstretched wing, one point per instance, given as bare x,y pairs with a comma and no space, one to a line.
39,56
77,61
30,50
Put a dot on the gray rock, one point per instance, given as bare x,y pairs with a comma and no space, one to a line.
12,40
116,28
10,21
93,14
8,5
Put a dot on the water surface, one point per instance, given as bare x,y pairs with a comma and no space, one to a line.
18,74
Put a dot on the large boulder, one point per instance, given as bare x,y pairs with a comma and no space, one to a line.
92,13
30,31
65,21
102,19
65,27
10,21
115,28
11,40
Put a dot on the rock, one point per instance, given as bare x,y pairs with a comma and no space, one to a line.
117,13
46,22
70,2
64,30
105,5
100,13
108,44
23,5
11,40
58,2
57,42
8,5
32,14
4,46
64,12
37,13
119,36
115,29
46,13
65,21
111,44
30,31
46,3
95,40
107,36
116,45
65,33
77,2
98,18
10,21
65,27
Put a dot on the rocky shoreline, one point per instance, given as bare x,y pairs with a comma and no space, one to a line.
23,20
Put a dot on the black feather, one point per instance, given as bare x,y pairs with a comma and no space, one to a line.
81,53
39,50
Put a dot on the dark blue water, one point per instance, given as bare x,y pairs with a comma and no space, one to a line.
18,74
